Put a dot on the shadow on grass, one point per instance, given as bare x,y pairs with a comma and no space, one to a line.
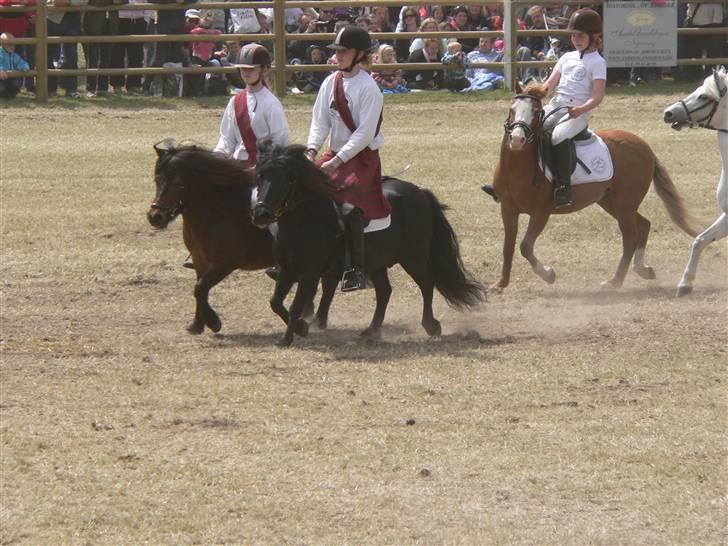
627,295
346,344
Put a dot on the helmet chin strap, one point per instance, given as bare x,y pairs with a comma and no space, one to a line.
354,62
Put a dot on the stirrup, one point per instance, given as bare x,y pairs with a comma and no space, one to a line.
562,197
353,279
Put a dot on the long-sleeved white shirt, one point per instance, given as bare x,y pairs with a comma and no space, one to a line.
266,119
365,103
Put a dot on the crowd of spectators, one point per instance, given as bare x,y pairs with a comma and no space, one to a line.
459,54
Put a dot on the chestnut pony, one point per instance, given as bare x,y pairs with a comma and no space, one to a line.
522,188
213,195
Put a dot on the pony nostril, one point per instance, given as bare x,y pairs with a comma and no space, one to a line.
668,115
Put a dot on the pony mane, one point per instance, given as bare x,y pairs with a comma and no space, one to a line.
537,90
293,159
202,166
711,86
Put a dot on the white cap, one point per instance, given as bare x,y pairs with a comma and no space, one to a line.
192,14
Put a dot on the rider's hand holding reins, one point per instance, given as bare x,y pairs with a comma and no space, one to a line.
331,165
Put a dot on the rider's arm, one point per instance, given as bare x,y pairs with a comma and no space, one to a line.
321,120
229,132
553,81
598,89
278,124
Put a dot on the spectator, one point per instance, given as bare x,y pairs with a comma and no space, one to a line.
484,79
16,23
425,79
380,14
217,16
704,15
131,55
493,17
202,55
428,25
168,22
389,81
459,23
410,23
65,55
477,18
98,23
228,56
310,82
455,79
326,21
10,62
438,14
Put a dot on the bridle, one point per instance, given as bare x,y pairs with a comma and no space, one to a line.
175,210
704,122
291,199
530,132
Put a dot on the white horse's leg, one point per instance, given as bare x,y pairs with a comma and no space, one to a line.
715,232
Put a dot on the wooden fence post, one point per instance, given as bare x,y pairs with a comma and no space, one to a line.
41,52
279,47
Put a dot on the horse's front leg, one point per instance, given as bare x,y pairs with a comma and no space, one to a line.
383,290
329,283
536,223
284,282
304,294
204,314
510,226
718,230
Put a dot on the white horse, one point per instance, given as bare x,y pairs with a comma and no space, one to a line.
706,107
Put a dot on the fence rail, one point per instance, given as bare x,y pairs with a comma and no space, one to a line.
510,35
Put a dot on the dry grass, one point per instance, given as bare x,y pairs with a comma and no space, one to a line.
552,414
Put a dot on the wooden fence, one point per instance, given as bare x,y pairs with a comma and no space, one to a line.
280,37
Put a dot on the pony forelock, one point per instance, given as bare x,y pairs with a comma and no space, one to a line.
537,90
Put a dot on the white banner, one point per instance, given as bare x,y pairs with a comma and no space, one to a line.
640,33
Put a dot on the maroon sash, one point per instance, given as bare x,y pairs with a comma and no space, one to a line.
246,131
359,180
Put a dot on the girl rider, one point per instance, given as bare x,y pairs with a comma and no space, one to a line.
348,109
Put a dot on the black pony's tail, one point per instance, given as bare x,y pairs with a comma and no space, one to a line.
452,280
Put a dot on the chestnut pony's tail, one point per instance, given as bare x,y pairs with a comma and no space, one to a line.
674,204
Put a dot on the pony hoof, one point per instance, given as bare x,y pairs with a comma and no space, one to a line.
195,328
646,272
496,288
321,324
302,328
434,329
308,311
285,341
683,290
371,334
548,274
609,285
214,323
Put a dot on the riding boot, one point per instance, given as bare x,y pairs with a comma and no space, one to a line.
562,181
353,278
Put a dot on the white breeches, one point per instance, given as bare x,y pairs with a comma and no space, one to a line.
563,126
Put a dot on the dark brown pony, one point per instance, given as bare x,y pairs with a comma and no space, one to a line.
213,195
522,188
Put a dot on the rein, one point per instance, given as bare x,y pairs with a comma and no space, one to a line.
173,211
287,203
531,132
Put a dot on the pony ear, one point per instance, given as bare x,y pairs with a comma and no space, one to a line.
517,87
165,146
264,146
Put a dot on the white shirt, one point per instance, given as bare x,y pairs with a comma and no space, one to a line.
708,13
577,74
365,103
266,119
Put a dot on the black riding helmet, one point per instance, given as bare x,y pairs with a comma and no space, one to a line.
352,37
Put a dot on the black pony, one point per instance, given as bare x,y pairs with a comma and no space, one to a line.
296,194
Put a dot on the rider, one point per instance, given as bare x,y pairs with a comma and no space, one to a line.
579,78
349,108
253,114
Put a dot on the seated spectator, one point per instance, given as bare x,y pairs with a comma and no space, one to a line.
202,55
10,62
459,23
484,79
202,51
493,17
455,79
228,56
389,81
428,25
326,20
380,15
420,12
410,22
438,14
310,82
477,18
425,79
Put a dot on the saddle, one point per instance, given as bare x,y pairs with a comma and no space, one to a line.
591,160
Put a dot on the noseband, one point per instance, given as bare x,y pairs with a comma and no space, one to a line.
286,203
530,132
173,211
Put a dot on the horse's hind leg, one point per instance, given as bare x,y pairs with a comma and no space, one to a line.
628,226
328,288
536,223
423,277
204,314
638,264
717,231
383,289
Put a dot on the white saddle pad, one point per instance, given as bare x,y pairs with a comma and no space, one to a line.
595,155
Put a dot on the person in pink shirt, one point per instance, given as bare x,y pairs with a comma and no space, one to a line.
204,50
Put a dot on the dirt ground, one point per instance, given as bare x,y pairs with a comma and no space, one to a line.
552,414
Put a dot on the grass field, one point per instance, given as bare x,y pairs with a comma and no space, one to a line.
552,414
